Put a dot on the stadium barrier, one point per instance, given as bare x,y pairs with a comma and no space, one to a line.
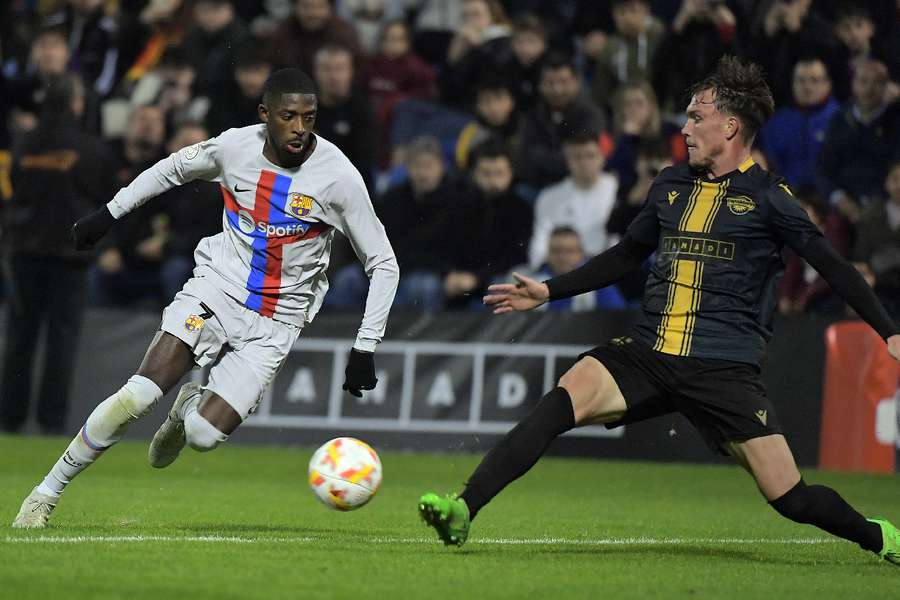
452,382
859,409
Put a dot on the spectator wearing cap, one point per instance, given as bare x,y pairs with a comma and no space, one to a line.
562,109
793,137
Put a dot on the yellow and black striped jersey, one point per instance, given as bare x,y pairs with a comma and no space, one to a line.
711,292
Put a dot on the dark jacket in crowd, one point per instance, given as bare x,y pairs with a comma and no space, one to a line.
351,126
855,156
213,56
424,230
540,161
293,46
55,181
93,42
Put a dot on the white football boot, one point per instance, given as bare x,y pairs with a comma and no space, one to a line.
169,438
35,511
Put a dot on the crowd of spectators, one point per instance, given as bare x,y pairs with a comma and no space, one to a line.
493,135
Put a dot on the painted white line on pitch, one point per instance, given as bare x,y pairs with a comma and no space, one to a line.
637,541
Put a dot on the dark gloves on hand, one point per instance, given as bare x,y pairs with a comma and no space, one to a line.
88,230
360,372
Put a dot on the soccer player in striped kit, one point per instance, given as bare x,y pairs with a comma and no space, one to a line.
256,284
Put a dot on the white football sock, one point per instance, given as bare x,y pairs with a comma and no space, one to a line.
104,427
201,435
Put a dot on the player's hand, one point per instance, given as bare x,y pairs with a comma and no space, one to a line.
360,372
88,230
525,294
893,344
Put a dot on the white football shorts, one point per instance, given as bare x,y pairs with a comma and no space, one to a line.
245,350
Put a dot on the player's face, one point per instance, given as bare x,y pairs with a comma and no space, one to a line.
289,121
705,131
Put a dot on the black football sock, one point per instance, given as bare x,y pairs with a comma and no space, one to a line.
519,449
823,507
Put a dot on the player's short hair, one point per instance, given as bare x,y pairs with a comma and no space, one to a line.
741,90
287,81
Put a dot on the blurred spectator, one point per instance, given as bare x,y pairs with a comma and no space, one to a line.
422,217
396,73
628,53
860,143
92,43
313,25
787,31
529,44
239,106
565,253
582,201
49,58
127,270
344,115
652,156
158,26
701,33
434,23
878,241
793,137
637,118
802,288
855,29
170,87
194,211
479,50
561,110
496,118
56,180
494,235
370,17
212,44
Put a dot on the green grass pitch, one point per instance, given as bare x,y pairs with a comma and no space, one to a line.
241,523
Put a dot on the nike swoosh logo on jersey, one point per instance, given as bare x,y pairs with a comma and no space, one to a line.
237,189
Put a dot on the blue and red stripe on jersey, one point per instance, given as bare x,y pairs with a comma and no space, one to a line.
272,228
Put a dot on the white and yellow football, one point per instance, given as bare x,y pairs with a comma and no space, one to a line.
345,473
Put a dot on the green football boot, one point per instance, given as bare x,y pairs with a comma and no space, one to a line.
890,536
449,516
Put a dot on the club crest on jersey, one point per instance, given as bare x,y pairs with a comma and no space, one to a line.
740,205
194,323
299,205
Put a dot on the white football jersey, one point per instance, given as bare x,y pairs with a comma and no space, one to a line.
278,225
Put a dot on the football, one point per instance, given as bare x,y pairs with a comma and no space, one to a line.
344,473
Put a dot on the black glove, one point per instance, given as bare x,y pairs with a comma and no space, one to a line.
360,372
87,231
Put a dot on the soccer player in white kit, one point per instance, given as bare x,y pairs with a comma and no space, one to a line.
255,286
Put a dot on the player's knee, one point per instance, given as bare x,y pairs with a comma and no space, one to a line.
589,390
793,504
138,396
202,435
